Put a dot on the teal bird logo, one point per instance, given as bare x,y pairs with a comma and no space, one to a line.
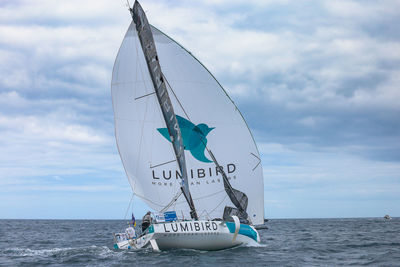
194,137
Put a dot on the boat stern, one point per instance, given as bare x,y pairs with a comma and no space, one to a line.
245,230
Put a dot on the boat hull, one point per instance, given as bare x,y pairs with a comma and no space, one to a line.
201,235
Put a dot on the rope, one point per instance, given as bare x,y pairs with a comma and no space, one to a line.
177,99
219,204
172,201
129,206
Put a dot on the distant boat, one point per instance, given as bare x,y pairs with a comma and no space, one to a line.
170,112
387,217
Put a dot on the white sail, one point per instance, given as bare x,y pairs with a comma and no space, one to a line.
204,111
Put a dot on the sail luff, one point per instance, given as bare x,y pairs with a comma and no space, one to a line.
150,53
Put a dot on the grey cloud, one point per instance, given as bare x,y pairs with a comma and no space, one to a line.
340,89
320,82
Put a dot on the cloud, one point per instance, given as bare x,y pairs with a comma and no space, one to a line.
367,11
317,82
46,128
69,188
68,12
12,75
300,181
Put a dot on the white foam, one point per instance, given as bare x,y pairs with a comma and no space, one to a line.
27,252
255,244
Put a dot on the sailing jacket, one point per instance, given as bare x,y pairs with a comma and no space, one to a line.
147,219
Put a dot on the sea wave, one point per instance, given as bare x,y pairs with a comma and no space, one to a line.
27,252
307,242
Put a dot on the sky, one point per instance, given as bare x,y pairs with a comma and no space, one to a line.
318,82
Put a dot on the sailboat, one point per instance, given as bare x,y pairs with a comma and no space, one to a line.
186,148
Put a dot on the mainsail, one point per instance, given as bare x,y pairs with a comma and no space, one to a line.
202,109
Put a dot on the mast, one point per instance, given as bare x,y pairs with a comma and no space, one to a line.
153,65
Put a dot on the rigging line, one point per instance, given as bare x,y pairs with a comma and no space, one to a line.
208,213
199,198
177,99
218,205
158,165
149,200
174,199
171,148
180,104
130,202
210,195
204,211
144,95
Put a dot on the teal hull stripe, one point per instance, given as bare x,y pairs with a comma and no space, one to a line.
244,230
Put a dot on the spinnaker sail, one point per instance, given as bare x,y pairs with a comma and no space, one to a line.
207,118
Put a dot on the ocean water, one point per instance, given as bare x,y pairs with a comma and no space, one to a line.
291,242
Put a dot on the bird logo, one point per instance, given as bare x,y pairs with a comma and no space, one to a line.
194,137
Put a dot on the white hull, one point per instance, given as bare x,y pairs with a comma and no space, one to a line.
201,235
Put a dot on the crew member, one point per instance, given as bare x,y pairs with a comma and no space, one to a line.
130,232
146,221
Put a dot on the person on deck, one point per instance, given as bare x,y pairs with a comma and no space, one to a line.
130,232
146,221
